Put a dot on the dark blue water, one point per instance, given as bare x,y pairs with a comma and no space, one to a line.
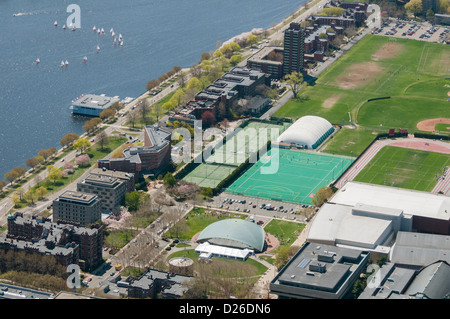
35,99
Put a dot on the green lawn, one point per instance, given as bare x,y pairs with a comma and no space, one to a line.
197,220
252,267
349,142
413,73
404,168
285,232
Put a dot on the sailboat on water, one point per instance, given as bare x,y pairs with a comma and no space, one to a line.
37,61
85,59
98,48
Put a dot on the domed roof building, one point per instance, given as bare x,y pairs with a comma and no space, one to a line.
234,233
307,132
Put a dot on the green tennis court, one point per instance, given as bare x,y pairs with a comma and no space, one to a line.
234,151
298,176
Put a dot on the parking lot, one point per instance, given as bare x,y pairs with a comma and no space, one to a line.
259,206
413,30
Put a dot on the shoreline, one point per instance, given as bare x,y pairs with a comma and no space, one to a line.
29,173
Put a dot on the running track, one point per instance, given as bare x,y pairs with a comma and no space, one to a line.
411,142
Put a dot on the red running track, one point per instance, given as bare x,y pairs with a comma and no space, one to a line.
443,184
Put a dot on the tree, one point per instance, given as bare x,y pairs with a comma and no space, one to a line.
414,6
81,144
143,108
47,153
157,110
132,200
208,119
151,84
322,195
132,117
82,160
32,162
295,82
68,139
332,12
205,56
235,59
92,124
30,196
107,114
252,39
16,200
54,174
102,139
2,184
40,192
169,180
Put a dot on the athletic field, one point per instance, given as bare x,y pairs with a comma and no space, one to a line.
405,168
296,176
380,83
234,151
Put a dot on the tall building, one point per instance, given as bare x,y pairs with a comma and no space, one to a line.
109,186
77,208
293,53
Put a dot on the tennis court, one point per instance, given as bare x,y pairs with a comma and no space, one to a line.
234,151
299,175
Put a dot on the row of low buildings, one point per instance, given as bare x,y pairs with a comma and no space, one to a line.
362,223
237,84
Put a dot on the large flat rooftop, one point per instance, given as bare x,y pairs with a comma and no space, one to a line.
95,101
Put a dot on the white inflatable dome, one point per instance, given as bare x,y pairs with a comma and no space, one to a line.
307,132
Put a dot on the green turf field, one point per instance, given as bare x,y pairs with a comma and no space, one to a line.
415,74
349,141
404,168
296,178
234,151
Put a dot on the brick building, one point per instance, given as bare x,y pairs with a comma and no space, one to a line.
67,243
152,158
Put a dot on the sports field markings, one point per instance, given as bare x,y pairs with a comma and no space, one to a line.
419,66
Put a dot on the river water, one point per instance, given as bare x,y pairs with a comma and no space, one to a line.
157,35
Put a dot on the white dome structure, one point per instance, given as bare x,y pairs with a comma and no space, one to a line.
307,132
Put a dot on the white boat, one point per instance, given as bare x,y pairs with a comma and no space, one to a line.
38,61
111,30
85,59
98,48
103,31
62,64
66,63
113,34
98,31
94,28
74,28
64,27
55,24
120,36
121,43
115,41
